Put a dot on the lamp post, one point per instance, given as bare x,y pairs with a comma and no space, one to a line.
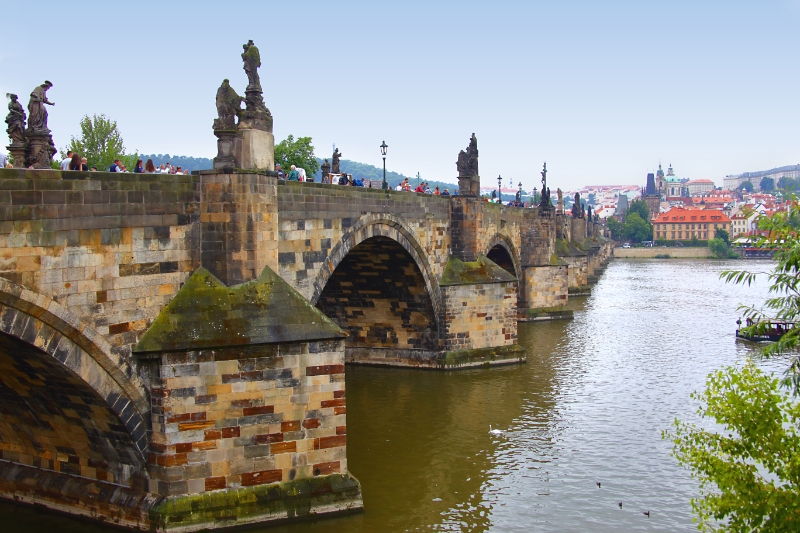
519,194
535,196
383,148
499,191
418,176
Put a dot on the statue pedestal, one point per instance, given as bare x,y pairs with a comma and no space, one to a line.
17,153
40,149
257,150
229,144
469,185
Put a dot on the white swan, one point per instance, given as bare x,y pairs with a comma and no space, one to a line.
495,432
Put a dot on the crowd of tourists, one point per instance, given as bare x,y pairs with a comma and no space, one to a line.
74,161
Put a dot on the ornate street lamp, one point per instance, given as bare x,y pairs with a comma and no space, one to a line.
519,194
535,196
383,148
499,191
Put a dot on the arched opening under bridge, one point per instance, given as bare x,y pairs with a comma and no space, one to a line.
501,256
378,295
50,418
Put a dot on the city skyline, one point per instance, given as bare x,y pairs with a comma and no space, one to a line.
600,92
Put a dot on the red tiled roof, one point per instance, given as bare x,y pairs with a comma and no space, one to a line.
683,215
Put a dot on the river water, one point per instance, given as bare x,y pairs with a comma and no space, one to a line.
589,406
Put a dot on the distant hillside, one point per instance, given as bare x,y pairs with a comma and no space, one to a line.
190,163
371,172
359,170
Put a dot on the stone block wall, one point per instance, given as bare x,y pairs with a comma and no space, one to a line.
577,229
239,220
546,286
247,416
578,270
111,248
480,316
538,238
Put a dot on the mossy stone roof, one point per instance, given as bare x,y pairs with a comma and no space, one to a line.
206,314
484,270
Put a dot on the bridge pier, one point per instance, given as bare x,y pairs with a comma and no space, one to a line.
248,407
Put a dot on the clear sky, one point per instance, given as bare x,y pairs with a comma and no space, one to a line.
602,91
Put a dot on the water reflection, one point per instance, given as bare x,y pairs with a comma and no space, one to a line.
588,407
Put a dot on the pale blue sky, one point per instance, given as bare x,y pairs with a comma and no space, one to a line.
600,90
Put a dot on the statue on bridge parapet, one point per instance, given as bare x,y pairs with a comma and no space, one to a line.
248,144
40,149
326,171
577,211
229,107
16,131
560,208
469,181
337,155
545,202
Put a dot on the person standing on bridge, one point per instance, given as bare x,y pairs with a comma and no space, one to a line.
293,174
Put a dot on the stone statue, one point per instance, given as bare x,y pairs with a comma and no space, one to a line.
252,60
15,120
37,113
326,171
229,106
467,163
576,206
560,200
335,167
589,213
544,176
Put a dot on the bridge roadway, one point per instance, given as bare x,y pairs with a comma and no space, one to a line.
172,347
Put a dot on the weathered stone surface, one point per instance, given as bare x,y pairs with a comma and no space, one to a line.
207,314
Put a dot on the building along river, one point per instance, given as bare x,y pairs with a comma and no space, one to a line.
588,407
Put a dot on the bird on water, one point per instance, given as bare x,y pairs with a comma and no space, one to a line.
620,505
598,484
496,432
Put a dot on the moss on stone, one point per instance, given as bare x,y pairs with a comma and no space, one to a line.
551,312
207,314
484,270
303,498
565,248
483,356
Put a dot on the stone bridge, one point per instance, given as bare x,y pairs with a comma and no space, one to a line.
172,347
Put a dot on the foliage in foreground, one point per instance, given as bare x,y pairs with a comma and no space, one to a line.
781,235
749,473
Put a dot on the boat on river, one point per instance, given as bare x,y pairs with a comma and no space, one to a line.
772,331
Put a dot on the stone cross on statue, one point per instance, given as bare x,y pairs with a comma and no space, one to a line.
544,177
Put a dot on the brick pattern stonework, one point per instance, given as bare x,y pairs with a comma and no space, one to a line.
546,286
240,417
486,319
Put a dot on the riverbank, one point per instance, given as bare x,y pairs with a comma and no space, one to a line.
651,253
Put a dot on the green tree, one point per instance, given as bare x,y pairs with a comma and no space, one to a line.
298,152
780,233
722,234
636,229
746,186
767,184
749,471
615,227
718,247
786,183
100,143
639,206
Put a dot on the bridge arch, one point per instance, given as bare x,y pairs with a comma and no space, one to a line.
82,371
379,225
377,285
501,250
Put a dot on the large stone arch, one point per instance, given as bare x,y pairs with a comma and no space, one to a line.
505,242
79,350
379,225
